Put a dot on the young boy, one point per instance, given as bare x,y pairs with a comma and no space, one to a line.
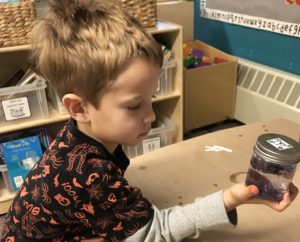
105,66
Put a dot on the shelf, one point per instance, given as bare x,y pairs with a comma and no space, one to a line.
14,48
163,27
166,97
54,117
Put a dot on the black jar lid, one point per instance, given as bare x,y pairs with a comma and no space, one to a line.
278,148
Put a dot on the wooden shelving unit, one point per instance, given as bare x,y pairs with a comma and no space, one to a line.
170,105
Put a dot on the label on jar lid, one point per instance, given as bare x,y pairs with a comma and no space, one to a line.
279,144
278,148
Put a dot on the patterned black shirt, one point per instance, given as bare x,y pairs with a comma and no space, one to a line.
77,190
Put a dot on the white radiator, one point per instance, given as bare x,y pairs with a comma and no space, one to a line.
265,93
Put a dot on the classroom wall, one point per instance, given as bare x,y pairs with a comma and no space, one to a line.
268,48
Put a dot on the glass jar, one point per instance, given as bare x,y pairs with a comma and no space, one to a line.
273,165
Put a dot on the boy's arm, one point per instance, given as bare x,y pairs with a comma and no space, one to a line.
179,222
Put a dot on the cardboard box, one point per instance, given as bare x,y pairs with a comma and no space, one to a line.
209,91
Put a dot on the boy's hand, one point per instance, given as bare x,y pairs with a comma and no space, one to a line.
241,194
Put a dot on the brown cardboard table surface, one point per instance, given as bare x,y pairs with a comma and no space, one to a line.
178,173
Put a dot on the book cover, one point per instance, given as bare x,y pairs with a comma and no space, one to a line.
41,132
20,156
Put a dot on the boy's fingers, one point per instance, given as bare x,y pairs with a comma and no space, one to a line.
293,191
288,198
241,194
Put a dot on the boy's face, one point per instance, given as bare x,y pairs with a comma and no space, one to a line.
124,113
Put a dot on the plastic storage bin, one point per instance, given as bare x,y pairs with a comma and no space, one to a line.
165,85
23,103
6,178
159,136
55,100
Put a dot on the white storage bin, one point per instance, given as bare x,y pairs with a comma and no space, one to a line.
159,136
165,85
55,100
23,103
6,178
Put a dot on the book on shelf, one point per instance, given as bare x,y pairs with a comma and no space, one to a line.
20,156
39,141
5,176
21,76
41,132
13,79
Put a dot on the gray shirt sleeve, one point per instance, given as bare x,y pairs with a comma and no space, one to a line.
179,222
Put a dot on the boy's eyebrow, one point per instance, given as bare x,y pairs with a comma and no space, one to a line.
132,98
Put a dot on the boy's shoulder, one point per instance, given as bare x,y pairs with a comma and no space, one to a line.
72,153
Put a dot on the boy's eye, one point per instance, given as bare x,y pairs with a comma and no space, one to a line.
134,107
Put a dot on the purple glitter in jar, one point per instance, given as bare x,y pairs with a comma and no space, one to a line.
273,165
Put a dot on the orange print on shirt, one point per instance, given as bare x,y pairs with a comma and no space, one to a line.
55,180
62,200
112,198
91,178
62,145
23,192
46,171
36,177
118,227
89,208
52,221
116,185
76,184
46,210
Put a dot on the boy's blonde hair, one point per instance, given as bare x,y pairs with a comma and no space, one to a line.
81,45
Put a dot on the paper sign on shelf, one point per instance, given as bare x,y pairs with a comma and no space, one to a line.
151,144
16,108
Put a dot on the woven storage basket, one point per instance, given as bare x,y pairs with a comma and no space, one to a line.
144,10
16,20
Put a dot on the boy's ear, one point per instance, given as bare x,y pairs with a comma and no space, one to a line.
76,107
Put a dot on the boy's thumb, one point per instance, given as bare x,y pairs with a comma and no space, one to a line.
252,190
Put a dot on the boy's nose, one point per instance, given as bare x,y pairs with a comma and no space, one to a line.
150,115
